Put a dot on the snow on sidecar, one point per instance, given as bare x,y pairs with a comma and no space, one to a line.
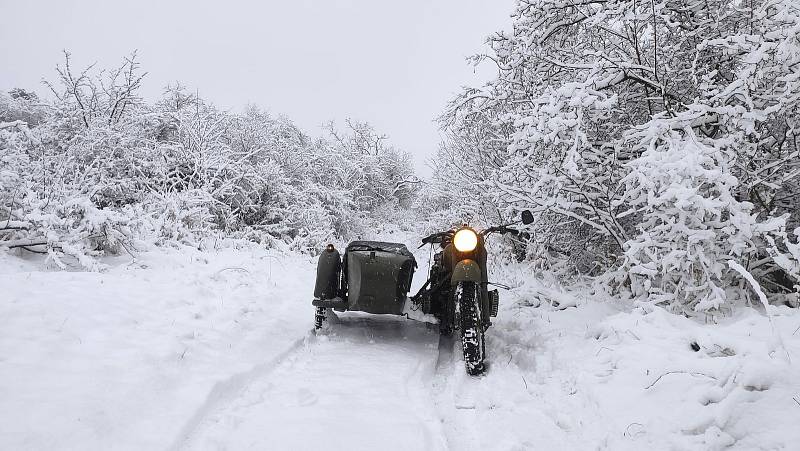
371,276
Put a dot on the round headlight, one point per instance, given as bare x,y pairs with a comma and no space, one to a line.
465,240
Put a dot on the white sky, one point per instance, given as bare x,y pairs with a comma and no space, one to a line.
391,63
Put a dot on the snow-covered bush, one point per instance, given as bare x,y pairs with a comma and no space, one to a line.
21,105
97,170
690,223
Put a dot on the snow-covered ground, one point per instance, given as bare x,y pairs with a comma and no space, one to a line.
183,349
600,376
128,359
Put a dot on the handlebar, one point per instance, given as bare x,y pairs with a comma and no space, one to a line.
438,236
500,229
435,238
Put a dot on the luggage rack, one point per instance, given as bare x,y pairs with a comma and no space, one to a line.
380,246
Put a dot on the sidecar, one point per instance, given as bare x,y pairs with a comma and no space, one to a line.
371,276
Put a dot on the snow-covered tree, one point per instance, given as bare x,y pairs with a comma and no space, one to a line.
578,86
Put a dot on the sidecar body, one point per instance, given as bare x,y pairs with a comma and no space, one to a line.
371,276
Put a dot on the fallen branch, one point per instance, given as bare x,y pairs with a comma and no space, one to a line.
233,268
21,243
13,228
695,374
33,250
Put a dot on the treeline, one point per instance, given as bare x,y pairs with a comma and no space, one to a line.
656,141
92,168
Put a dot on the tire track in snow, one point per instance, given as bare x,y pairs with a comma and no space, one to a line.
454,396
226,391
364,384
418,386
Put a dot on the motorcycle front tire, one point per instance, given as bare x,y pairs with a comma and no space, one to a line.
467,298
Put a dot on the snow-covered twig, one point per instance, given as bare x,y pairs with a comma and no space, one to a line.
691,373
763,298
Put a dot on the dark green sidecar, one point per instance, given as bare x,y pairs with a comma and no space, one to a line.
371,276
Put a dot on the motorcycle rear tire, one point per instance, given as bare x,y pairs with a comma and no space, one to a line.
469,316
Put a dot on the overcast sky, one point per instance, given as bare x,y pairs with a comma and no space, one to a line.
391,63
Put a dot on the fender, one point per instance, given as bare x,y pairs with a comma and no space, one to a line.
329,269
466,271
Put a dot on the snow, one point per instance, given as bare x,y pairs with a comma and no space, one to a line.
125,358
184,349
598,376
415,313
363,384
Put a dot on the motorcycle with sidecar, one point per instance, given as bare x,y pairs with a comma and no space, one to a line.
375,277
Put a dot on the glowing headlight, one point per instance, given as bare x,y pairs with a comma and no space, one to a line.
465,240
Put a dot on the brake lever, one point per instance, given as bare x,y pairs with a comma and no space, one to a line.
489,231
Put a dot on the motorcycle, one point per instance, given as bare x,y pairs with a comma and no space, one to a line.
375,277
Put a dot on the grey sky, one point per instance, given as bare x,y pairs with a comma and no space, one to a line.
392,63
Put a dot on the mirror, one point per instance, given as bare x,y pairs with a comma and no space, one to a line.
527,217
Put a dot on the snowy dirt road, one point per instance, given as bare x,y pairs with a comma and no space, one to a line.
362,384
190,350
205,350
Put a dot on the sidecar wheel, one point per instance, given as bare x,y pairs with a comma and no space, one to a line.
319,317
472,338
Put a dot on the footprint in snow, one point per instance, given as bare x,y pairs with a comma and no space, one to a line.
306,397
